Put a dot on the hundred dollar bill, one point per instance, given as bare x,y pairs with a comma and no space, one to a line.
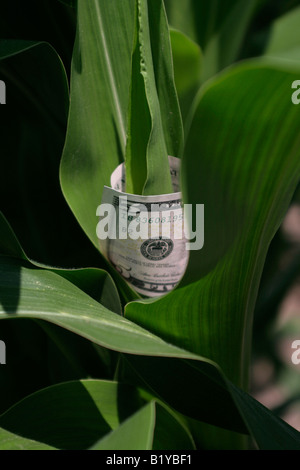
143,237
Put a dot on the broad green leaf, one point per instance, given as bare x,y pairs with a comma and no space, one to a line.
202,392
41,294
284,41
99,101
242,162
256,167
95,282
71,415
217,296
68,356
26,291
100,79
96,134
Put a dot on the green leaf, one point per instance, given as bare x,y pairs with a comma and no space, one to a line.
26,291
139,122
170,432
96,134
155,127
202,392
164,77
284,41
95,282
100,79
242,162
71,415
209,404
136,433
68,356
41,294
151,427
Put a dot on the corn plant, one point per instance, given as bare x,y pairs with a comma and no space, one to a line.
89,363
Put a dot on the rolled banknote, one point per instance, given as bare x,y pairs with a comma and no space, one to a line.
143,237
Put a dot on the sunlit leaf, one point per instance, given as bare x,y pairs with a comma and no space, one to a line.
155,127
100,78
242,162
11,441
136,433
202,390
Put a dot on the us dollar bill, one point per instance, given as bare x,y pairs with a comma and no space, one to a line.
143,237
